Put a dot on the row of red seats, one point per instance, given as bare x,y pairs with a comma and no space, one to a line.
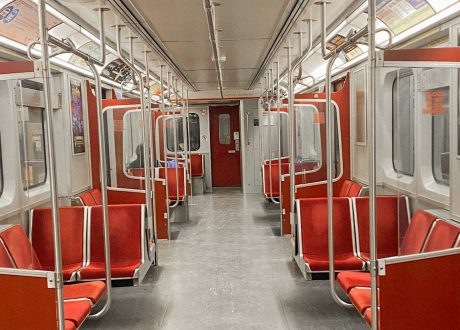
16,251
351,221
82,240
425,233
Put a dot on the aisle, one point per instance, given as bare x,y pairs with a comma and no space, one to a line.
227,269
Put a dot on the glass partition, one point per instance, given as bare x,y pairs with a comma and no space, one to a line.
271,122
194,138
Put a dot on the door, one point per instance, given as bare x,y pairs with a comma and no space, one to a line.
225,146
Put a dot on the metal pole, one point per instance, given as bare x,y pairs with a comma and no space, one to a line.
372,160
45,61
330,149
152,157
105,209
292,133
174,126
145,131
270,119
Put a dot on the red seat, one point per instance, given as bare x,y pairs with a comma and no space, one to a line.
413,242
77,311
24,257
350,189
97,196
72,221
275,178
5,259
360,298
314,236
368,316
91,290
126,223
87,199
443,236
69,325
197,165
172,182
392,219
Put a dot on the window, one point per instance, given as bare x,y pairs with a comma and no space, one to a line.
360,106
440,135
133,143
308,141
403,123
194,134
224,129
32,146
271,122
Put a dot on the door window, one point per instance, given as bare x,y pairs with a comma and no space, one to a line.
224,129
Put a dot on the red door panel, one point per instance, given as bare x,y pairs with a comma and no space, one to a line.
225,146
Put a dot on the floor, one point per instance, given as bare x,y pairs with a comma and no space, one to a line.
227,268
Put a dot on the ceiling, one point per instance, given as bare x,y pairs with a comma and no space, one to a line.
247,30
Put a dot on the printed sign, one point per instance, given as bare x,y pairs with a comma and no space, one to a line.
435,103
401,15
78,126
19,21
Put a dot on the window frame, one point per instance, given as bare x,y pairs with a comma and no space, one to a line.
394,83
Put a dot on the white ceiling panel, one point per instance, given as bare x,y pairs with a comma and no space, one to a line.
192,55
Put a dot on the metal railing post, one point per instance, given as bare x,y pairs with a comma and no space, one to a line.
372,159
45,61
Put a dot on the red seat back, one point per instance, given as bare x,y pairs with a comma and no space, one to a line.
443,236
72,223
314,227
350,189
196,164
125,225
97,196
5,259
417,232
172,181
87,199
392,219
19,248
138,172
275,178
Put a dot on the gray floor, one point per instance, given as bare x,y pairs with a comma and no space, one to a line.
227,268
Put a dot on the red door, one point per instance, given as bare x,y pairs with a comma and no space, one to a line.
225,146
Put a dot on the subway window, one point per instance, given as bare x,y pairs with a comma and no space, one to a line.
308,141
360,106
403,123
133,145
32,146
440,134
194,133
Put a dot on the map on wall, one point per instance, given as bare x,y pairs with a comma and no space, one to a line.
401,15
19,21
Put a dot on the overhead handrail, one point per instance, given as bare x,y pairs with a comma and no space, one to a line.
145,130
67,46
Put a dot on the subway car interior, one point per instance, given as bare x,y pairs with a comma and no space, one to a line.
239,164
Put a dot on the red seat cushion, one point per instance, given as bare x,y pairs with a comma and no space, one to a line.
368,316
77,311
172,182
97,196
87,199
314,231
125,225
21,251
361,298
443,236
392,220
69,325
275,191
91,290
5,259
72,221
417,232
196,165
350,280
346,185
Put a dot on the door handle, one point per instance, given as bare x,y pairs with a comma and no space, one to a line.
231,151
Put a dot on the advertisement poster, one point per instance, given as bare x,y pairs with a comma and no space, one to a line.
78,126
19,21
401,15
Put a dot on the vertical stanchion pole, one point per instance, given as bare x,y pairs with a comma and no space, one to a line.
45,61
372,159
292,140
